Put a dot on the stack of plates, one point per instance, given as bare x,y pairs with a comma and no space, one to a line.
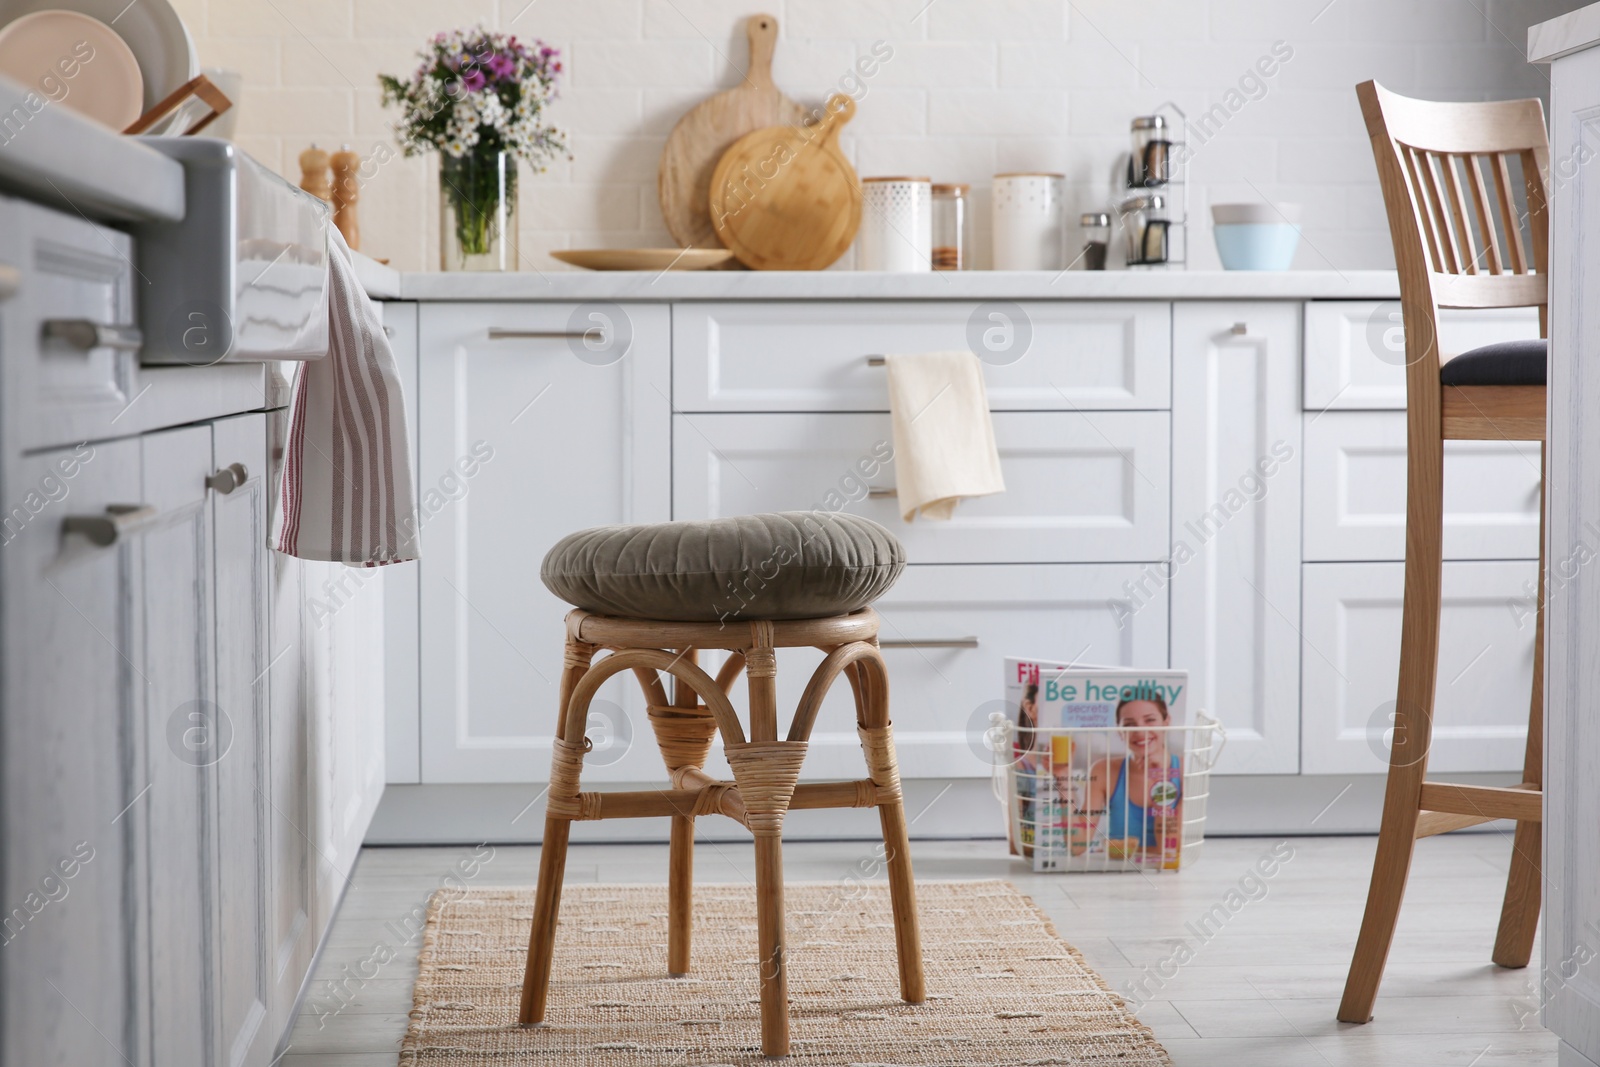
142,52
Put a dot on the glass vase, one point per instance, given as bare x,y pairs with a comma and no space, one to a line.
478,212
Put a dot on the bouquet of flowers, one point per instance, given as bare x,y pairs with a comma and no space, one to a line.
479,99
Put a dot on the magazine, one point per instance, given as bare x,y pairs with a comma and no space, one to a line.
1108,794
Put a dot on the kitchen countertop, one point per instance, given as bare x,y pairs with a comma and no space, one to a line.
58,157
1564,34
385,283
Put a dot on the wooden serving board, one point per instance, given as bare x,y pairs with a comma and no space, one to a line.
786,198
643,258
706,132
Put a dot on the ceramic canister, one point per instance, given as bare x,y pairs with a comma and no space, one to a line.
1029,215
896,225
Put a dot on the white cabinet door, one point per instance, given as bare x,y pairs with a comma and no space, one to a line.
241,522
402,741
1356,462
186,742
1356,352
1234,570
524,439
72,934
1351,665
946,633
1080,487
812,356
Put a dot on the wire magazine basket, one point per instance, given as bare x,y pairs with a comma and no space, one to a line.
1085,799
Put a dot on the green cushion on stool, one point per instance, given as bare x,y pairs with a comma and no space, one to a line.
785,565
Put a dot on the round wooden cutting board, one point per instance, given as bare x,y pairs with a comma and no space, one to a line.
786,198
706,131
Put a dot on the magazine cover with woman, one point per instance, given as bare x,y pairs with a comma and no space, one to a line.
1098,776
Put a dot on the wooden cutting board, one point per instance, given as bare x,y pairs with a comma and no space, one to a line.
706,132
786,198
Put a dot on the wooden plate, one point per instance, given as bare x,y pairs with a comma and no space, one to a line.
643,258
708,129
786,198
106,84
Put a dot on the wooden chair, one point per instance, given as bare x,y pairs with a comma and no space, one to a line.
1446,174
766,771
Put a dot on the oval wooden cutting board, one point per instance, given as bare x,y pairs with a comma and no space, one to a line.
706,132
786,198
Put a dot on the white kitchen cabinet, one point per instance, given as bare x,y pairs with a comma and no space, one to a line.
242,522
524,439
73,852
1356,353
812,356
1351,663
1080,487
403,711
1356,460
1234,569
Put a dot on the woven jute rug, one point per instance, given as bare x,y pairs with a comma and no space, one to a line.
1003,988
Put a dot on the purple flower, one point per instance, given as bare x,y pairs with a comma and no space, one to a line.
502,66
473,80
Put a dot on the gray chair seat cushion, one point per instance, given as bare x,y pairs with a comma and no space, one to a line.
786,565
1502,363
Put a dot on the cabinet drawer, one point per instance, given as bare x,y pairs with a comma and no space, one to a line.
1355,349
1356,462
940,696
57,392
1040,355
1079,487
1351,665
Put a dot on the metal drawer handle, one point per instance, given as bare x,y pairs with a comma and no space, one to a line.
10,280
499,333
881,492
932,642
118,521
876,361
1240,329
83,334
228,478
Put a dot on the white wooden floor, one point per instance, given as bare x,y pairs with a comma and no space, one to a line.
1263,990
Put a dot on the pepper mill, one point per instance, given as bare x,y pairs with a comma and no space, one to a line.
346,191
314,173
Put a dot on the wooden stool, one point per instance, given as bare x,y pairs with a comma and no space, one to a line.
766,772
1451,253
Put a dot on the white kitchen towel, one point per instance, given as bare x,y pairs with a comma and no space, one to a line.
346,490
944,447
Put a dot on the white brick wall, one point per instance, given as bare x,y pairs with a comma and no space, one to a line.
975,87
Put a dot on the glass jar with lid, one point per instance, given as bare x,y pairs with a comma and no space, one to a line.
952,226
1096,226
1150,156
1145,224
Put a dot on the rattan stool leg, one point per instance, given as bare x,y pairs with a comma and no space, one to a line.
877,744
566,762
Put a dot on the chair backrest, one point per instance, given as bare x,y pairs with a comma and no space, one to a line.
1460,238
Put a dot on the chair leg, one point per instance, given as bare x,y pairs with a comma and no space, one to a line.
546,905
1519,914
769,937
680,895
877,743
566,763
1413,717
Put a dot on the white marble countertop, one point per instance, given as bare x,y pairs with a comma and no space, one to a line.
58,157
385,283
1564,34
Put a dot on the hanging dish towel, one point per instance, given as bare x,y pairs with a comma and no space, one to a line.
346,490
944,447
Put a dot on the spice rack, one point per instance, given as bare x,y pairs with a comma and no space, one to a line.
1152,212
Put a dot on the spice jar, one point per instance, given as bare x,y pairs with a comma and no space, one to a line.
1149,161
1145,221
1096,226
952,220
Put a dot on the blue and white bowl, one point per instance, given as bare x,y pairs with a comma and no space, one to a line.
1256,236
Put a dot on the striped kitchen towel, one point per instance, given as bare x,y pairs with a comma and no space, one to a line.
346,492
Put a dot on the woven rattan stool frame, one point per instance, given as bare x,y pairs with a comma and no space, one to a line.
766,771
